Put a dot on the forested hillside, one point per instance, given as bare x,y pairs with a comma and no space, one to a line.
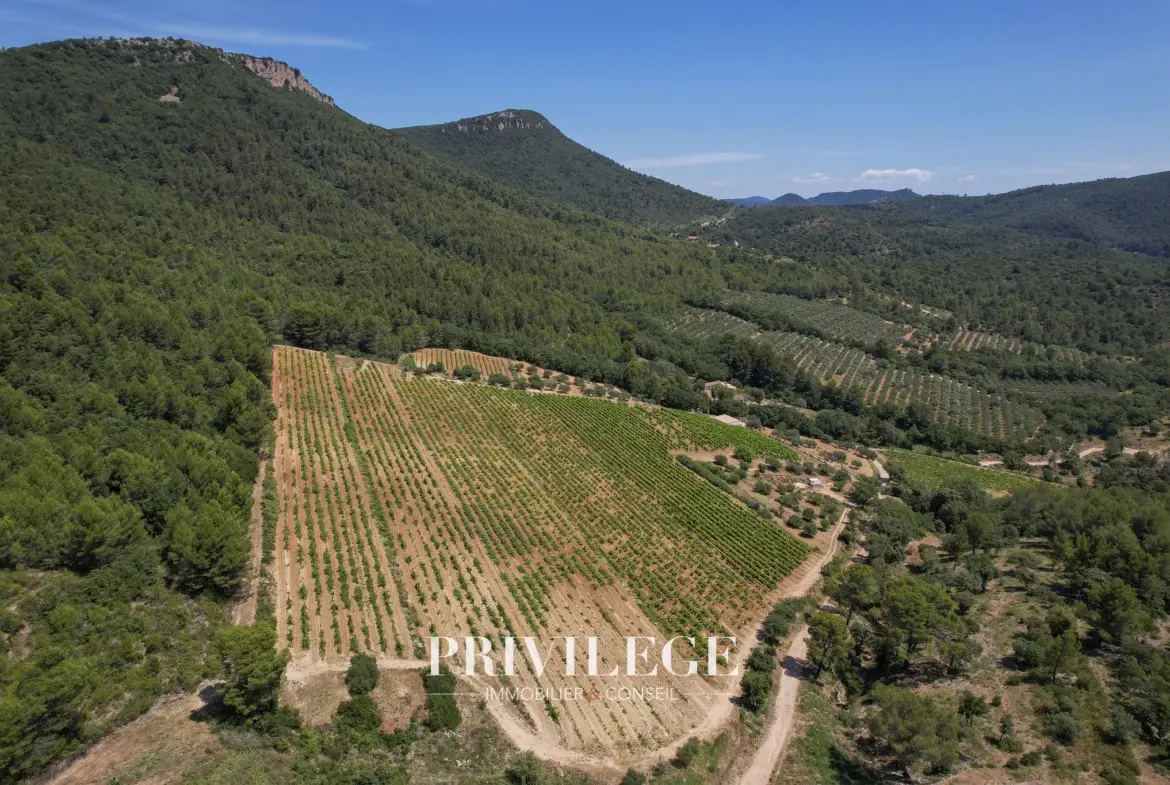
522,149
151,253
1132,214
1048,290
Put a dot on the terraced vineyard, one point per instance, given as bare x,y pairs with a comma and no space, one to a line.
836,321
953,402
956,403
1051,391
411,508
825,360
452,359
701,323
934,471
977,341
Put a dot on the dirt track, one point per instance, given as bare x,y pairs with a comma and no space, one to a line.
782,715
779,721
783,711
244,611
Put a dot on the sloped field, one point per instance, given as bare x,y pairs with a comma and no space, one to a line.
953,402
411,508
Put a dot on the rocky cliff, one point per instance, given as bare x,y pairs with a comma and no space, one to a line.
280,74
184,52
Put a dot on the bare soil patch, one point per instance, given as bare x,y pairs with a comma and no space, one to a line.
161,746
316,696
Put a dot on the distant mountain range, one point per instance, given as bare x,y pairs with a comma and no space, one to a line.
830,199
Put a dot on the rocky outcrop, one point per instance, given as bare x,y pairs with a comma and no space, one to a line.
280,74
184,52
170,98
498,121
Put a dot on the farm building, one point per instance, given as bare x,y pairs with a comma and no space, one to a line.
727,419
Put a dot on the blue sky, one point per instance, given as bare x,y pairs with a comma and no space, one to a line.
726,98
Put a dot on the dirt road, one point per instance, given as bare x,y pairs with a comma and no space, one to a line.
782,715
244,610
776,735
783,711
1085,453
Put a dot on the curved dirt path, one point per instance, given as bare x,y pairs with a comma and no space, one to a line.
722,711
783,712
1094,450
782,715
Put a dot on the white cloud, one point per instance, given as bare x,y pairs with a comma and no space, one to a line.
254,37
966,178
814,178
695,159
882,175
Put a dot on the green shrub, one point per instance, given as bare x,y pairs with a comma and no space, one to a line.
442,711
1063,727
359,714
362,676
467,372
687,753
525,769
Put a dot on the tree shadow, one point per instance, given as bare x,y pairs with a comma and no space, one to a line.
797,669
212,708
848,771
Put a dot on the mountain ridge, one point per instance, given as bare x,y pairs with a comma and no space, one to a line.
523,149
1129,213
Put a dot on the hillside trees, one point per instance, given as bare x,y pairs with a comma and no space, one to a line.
253,668
1050,646
916,729
530,154
854,589
829,641
362,675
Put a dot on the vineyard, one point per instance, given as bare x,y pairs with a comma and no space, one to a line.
702,324
451,359
1040,392
977,341
953,403
835,321
419,507
932,471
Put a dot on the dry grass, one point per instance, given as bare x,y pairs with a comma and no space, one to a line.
162,746
399,695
